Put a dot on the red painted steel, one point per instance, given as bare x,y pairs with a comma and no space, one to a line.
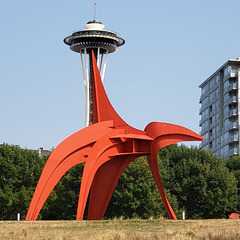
107,147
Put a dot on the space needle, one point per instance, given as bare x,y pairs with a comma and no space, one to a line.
94,38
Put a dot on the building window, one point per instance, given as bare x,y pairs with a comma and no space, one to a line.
224,150
206,147
225,98
217,104
212,96
226,111
210,133
205,136
225,85
204,88
224,138
226,123
210,121
212,82
214,132
205,126
205,102
214,144
227,70
205,114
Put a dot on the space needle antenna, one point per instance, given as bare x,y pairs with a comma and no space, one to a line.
95,7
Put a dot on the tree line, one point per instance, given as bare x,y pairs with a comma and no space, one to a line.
195,181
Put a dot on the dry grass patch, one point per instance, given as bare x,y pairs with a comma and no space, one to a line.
118,229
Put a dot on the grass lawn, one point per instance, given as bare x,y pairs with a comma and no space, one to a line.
117,229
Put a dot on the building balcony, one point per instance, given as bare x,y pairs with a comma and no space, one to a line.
213,125
213,99
233,125
204,95
203,144
211,113
203,119
204,130
232,99
224,141
203,107
233,151
213,137
231,113
233,138
214,149
229,75
231,87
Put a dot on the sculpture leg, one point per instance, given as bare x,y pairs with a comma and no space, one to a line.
71,151
99,156
104,184
155,171
165,134
47,182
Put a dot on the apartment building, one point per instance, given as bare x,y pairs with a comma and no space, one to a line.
219,111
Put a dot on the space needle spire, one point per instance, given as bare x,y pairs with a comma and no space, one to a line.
94,38
95,11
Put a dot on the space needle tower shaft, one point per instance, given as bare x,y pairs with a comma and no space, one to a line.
94,38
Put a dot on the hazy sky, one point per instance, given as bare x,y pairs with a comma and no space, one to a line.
171,47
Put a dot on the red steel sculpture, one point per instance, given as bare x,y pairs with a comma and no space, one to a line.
107,147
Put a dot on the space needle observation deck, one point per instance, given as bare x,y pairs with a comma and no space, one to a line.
93,38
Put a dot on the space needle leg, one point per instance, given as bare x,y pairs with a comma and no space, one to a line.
98,55
86,84
104,66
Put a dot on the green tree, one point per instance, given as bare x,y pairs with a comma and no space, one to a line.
62,202
20,171
202,183
233,164
136,194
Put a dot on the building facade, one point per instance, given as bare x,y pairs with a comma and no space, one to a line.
220,110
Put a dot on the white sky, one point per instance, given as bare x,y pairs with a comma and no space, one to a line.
171,47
